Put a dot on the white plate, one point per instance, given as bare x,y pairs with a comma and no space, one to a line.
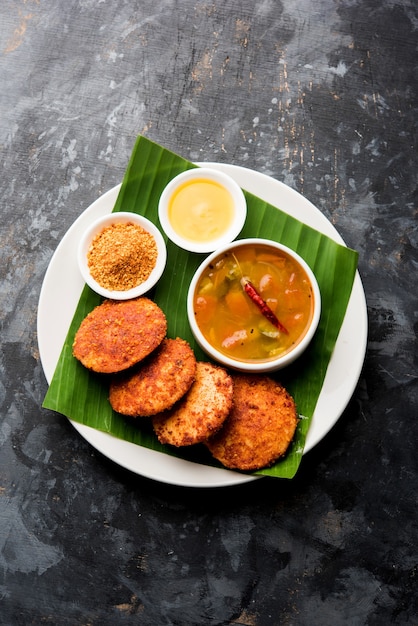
61,290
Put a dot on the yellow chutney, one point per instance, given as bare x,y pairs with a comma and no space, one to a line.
201,210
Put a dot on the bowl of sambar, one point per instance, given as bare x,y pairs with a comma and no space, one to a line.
254,305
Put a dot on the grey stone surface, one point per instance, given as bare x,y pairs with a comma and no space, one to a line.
320,95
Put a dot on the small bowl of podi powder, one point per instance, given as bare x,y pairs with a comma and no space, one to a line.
122,255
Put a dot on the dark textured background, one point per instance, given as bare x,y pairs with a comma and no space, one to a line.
320,95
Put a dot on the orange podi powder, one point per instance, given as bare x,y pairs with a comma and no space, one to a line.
122,256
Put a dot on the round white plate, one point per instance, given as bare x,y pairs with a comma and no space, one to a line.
61,290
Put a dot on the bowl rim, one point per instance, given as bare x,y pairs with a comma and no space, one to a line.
240,206
123,217
254,366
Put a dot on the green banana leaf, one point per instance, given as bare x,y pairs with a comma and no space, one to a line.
82,396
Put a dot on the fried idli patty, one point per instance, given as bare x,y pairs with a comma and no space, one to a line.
119,333
157,383
260,426
201,412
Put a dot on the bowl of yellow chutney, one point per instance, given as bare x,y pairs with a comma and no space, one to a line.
202,209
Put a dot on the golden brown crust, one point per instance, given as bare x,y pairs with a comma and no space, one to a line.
260,426
118,334
158,383
201,412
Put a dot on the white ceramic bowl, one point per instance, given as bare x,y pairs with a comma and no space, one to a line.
124,218
239,209
254,365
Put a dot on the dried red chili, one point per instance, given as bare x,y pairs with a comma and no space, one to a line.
253,294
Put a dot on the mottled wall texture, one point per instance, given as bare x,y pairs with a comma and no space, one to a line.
319,95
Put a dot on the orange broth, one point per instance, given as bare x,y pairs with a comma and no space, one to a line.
229,319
